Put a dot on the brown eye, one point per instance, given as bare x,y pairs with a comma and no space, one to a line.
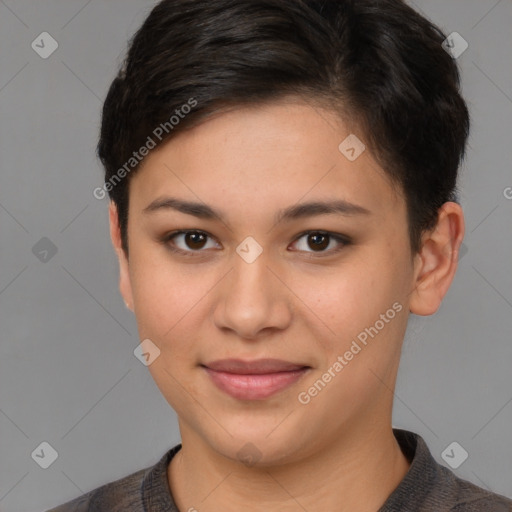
187,242
195,240
319,241
314,243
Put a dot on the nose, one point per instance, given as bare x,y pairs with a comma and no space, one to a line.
252,299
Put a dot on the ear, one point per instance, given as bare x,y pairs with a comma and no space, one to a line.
436,263
125,286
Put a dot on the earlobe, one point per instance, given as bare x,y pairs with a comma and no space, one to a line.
124,275
436,263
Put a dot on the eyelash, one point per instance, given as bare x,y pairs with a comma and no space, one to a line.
343,240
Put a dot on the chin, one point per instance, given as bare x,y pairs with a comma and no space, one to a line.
258,449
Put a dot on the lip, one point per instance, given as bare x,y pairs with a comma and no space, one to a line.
254,380
254,367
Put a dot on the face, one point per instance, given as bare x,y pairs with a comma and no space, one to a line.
263,277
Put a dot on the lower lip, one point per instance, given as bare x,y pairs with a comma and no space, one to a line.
254,387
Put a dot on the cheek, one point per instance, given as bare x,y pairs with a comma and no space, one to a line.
343,303
166,295
353,292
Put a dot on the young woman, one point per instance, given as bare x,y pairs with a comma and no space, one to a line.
282,178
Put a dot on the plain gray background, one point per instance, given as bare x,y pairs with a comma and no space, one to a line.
68,373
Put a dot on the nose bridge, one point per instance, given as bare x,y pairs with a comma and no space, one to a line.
249,282
250,298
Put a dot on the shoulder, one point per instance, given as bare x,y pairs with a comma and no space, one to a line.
119,495
468,497
429,486
136,492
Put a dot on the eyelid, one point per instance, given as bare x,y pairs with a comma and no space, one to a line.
167,241
343,240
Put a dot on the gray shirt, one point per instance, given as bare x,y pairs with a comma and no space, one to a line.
427,486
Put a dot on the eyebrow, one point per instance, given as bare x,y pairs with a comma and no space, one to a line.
298,211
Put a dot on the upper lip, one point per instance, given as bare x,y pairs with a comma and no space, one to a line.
257,366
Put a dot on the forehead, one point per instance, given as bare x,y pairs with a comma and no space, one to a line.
265,156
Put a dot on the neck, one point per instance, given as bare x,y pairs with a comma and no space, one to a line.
357,473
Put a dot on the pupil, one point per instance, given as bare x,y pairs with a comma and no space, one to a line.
317,243
191,239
